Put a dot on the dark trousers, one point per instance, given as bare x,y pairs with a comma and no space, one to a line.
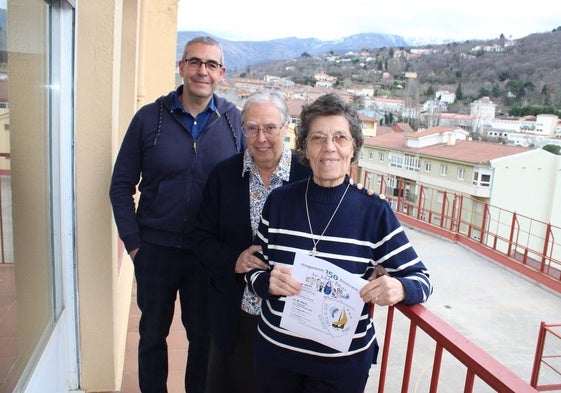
232,372
162,272
280,370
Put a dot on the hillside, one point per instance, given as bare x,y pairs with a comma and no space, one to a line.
522,72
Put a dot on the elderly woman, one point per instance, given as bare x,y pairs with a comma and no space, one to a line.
330,217
228,218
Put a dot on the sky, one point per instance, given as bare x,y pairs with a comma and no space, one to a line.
259,20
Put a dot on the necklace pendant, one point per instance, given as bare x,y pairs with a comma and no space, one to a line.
313,252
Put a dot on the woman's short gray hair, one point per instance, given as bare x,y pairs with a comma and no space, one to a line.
268,96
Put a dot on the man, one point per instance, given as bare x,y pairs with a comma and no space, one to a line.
170,147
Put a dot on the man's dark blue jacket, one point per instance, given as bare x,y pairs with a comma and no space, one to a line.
172,168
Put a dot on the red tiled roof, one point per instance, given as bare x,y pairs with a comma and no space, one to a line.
403,127
466,151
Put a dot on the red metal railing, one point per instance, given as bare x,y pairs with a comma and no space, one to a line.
526,245
477,363
551,361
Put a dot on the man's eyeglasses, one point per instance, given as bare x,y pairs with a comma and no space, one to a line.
251,129
321,139
194,63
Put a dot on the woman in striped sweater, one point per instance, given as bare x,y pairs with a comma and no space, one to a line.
329,217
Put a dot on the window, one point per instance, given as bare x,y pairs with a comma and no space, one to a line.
381,157
396,160
461,173
482,177
443,170
408,161
428,166
391,182
37,176
412,162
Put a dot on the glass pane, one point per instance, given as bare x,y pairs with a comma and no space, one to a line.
26,311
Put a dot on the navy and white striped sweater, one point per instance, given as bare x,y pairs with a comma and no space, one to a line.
363,233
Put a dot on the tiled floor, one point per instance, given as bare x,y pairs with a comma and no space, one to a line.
177,353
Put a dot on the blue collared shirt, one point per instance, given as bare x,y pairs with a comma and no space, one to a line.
197,124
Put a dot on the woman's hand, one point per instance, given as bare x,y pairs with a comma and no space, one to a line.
382,289
247,261
281,282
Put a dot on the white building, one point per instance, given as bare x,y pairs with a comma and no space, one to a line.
445,96
483,112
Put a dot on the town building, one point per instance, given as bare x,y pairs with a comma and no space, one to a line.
443,158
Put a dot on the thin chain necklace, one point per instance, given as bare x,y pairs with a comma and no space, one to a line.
314,252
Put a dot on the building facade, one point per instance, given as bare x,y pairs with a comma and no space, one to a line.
444,159
77,71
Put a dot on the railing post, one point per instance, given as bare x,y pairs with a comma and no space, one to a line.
511,235
443,210
483,233
548,235
409,357
436,365
470,378
386,350
538,357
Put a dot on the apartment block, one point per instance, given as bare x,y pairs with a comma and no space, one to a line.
443,158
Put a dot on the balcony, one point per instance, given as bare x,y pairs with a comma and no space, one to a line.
482,321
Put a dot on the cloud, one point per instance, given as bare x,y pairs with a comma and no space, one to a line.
255,20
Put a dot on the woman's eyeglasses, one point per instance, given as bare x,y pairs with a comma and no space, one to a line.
321,139
251,129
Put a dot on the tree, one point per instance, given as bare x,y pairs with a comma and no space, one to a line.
483,92
429,92
555,149
459,94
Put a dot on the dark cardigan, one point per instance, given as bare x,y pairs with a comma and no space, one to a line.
222,232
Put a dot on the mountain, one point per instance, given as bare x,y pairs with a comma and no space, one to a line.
240,54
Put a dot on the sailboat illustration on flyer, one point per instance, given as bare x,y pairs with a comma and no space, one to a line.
340,323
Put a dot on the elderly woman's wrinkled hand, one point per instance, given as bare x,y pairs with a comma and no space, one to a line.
281,282
247,261
383,291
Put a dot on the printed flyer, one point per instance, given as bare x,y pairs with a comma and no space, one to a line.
328,308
